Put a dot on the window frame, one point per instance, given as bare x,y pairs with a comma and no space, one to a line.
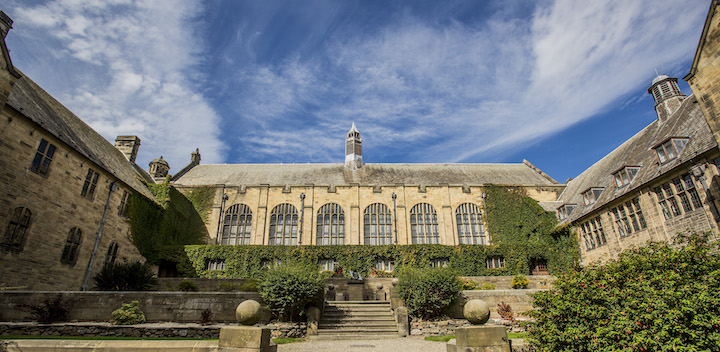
90,185
670,144
215,264
111,254
16,231
629,172
563,212
237,225
593,233
469,224
590,197
377,225
43,157
285,218
628,218
384,264
424,226
330,227
71,250
495,262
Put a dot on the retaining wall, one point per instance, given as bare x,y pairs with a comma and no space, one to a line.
157,306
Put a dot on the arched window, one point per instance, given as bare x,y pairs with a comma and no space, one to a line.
284,225
378,224
72,247
424,224
330,225
469,224
111,253
237,225
17,228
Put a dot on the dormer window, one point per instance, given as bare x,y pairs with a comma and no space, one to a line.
670,149
591,195
565,211
624,176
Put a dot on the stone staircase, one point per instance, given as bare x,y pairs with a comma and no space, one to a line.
351,320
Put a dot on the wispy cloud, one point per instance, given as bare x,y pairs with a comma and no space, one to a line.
458,91
133,68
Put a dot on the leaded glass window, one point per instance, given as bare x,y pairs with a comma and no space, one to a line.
284,225
237,224
72,247
377,221
469,224
424,224
43,157
330,225
111,253
17,228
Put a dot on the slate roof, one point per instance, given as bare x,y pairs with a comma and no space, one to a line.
369,174
688,121
41,108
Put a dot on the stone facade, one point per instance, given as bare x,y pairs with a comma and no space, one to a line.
58,179
705,70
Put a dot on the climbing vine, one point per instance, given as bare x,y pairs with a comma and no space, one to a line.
202,199
522,231
171,222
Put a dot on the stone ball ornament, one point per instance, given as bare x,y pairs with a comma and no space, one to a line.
476,311
331,287
395,281
248,312
379,286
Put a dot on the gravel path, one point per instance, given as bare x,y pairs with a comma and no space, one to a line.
402,344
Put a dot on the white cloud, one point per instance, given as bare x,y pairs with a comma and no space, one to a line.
458,92
131,65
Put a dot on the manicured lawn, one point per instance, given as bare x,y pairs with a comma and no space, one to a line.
27,337
281,341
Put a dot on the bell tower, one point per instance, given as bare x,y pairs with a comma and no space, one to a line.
667,95
353,149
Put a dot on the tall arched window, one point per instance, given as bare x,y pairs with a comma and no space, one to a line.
469,224
237,225
72,247
424,224
17,228
378,224
111,253
284,225
330,225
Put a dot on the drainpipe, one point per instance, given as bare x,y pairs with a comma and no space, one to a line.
88,272
222,216
302,215
394,197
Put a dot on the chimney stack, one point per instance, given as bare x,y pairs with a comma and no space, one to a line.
128,145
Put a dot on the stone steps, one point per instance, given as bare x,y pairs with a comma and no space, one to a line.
352,320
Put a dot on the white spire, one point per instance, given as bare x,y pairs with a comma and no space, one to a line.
353,128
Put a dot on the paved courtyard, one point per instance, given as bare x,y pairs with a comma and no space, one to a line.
402,344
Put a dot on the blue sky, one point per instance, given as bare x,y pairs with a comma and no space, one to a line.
560,83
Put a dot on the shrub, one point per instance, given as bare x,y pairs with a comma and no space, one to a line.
128,314
520,281
428,291
487,286
49,311
133,276
227,287
468,284
656,298
206,316
287,289
249,286
187,286
505,311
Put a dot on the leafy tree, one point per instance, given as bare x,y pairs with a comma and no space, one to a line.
287,289
660,297
428,291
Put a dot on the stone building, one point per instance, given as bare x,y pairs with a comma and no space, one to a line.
63,189
356,202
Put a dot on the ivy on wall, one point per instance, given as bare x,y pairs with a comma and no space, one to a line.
522,231
172,222
202,199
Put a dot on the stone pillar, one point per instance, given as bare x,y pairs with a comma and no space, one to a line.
403,321
479,337
313,317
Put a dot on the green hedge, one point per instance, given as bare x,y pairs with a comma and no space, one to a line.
655,298
247,261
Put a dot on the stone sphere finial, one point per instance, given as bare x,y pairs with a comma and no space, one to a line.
331,287
379,286
395,281
476,311
248,312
